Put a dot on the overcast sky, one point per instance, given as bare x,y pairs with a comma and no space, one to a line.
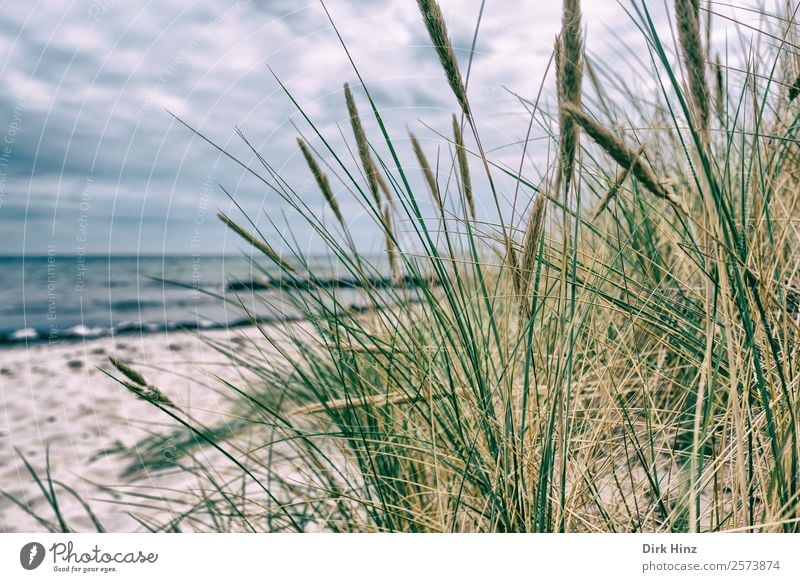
94,161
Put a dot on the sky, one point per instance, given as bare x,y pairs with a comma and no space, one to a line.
92,161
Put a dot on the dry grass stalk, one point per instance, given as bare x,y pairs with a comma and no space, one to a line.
430,179
624,156
139,386
612,192
688,20
533,235
256,242
463,167
367,162
129,372
391,249
384,187
587,391
322,181
569,79
361,402
375,180
600,92
434,22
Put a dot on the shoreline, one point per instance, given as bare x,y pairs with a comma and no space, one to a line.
80,330
30,337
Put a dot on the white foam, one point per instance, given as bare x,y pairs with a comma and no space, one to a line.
25,333
84,331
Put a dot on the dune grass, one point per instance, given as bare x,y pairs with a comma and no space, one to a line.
618,352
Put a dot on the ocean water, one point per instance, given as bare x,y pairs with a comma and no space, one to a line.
61,298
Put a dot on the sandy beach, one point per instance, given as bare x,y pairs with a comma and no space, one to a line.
57,397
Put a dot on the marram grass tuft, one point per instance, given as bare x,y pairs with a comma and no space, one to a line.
636,370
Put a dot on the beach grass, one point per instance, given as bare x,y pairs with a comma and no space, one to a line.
616,353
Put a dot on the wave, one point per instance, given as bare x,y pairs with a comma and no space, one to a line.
30,335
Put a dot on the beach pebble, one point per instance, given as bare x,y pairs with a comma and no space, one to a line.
175,347
75,364
6,372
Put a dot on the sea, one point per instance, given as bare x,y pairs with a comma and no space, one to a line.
66,298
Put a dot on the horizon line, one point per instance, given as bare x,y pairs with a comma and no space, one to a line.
141,256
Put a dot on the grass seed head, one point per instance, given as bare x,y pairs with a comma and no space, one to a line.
370,169
322,181
463,167
434,22
430,179
623,155
694,59
569,80
259,244
533,235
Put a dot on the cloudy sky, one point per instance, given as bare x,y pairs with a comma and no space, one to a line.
92,159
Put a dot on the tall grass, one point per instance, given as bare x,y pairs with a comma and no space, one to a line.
617,353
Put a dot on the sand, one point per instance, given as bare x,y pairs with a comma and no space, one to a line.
55,396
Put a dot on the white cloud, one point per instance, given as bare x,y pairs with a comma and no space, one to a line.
98,77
